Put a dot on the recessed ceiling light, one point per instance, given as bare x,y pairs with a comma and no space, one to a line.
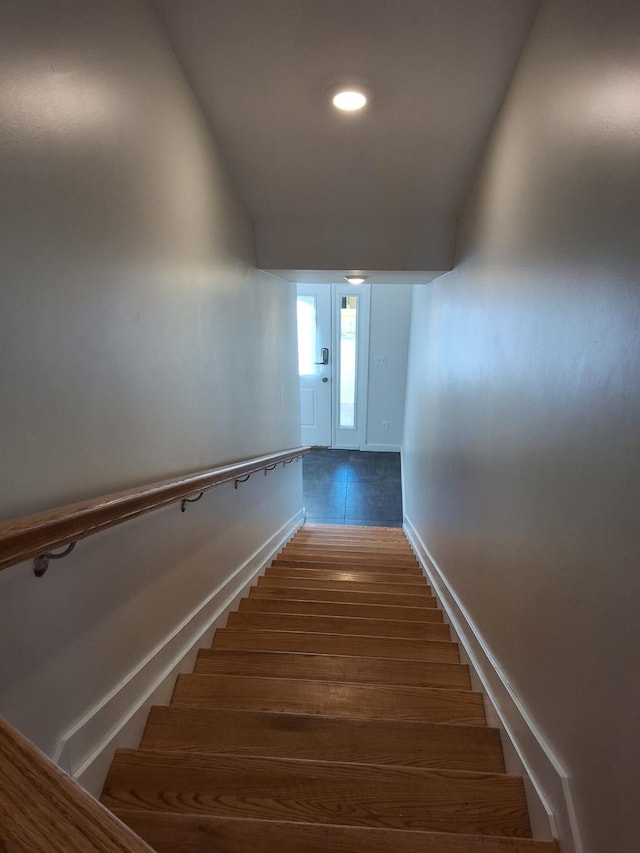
349,100
356,279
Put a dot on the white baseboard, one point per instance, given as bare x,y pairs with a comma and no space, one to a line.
527,753
86,749
382,448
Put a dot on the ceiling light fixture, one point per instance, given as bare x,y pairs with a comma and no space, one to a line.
349,100
356,279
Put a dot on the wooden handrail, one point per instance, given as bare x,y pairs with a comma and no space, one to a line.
43,810
33,535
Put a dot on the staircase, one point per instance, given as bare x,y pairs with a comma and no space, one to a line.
331,714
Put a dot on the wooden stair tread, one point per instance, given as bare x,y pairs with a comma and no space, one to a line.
346,574
321,525
179,833
336,644
372,566
334,668
339,625
327,698
324,738
340,608
326,529
349,596
350,544
349,541
305,567
354,534
378,587
355,556
373,554
403,550
387,796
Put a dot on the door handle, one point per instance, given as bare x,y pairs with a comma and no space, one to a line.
324,355
324,379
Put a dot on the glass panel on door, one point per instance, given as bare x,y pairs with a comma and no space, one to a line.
314,363
307,336
348,331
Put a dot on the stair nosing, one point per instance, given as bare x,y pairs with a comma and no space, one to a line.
206,652
413,771
372,685
409,723
508,842
375,601
364,618
243,630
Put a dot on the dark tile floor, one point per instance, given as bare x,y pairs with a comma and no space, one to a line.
352,487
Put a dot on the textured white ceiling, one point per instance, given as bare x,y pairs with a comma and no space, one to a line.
263,69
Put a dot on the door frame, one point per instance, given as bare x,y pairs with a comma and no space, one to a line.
347,438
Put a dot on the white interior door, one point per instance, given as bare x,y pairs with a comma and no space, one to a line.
315,363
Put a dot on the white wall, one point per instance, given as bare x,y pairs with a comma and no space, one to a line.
389,338
522,445
316,244
136,341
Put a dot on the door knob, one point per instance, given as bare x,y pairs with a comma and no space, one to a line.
324,379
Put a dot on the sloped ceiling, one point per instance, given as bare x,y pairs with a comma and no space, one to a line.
380,190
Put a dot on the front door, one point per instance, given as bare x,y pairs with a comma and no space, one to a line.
315,363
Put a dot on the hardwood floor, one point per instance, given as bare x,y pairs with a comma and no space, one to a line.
331,714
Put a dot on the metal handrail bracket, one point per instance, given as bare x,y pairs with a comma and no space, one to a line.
41,562
185,501
40,534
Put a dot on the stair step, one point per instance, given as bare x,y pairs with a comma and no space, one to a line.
382,543
402,548
346,550
260,733
356,529
390,534
375,546
340,625
302,567
419,589
326,527
355,556
334,699
347,575
335,644
315,528
330,563
338,608
310,791
170,833
353,534
333,668
341,595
